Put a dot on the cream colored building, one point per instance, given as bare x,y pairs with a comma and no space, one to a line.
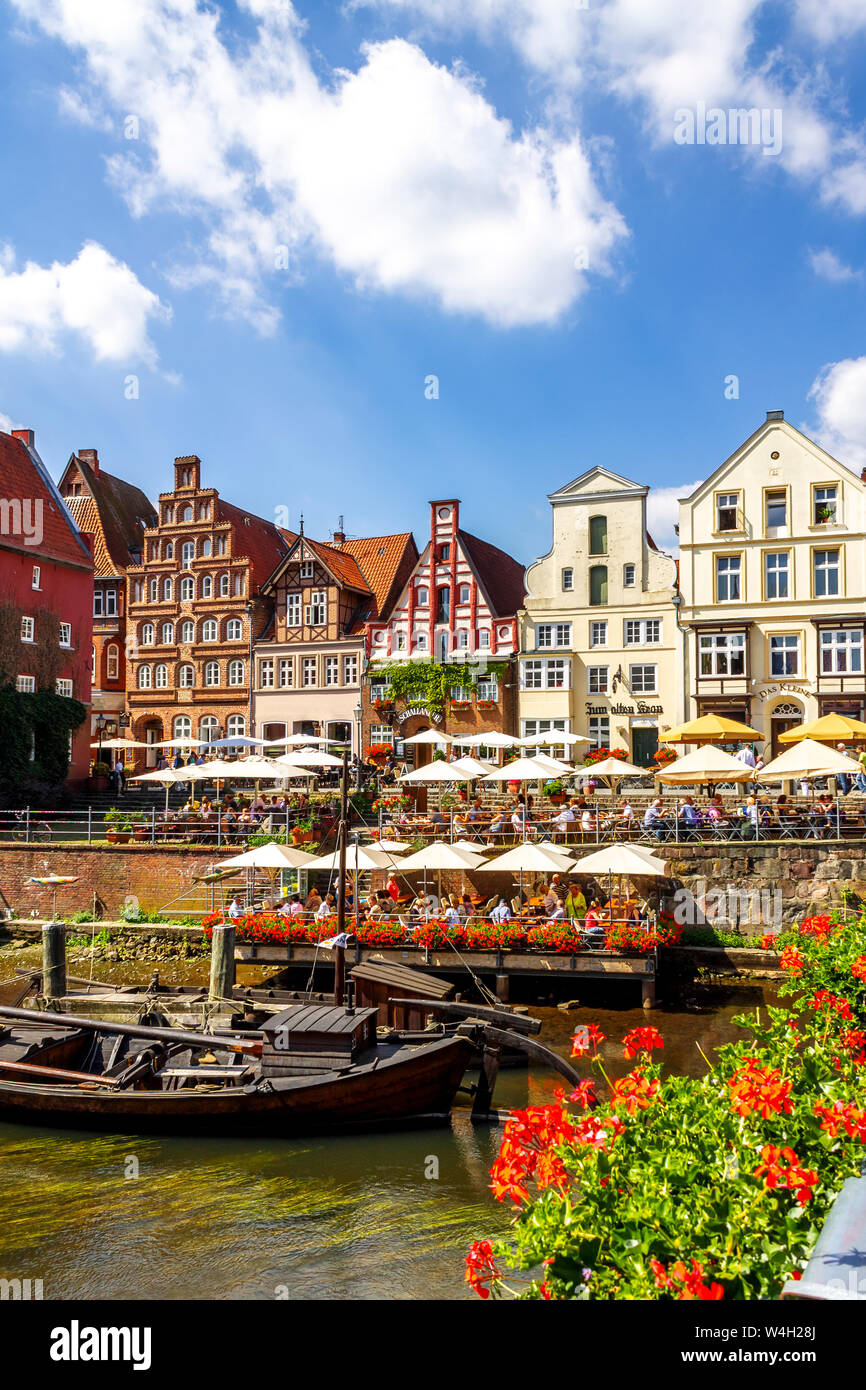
600,651
773,583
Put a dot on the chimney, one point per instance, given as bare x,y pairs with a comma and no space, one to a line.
90,456
339,535
775,414
26,436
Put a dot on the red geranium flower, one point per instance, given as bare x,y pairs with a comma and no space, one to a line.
480,1268
586,1037
641,1040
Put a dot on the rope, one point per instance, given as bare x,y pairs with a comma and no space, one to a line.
479,984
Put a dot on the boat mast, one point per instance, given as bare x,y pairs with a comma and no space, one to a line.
340,951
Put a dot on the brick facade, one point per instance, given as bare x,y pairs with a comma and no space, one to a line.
195,611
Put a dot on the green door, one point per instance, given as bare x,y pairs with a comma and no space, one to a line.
644,743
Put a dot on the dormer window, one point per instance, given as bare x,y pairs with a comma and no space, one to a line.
727,511
307,569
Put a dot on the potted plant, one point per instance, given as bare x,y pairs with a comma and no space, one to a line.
99,776
555,791
118,827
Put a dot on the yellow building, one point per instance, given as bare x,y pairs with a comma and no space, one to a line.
772,582
600,648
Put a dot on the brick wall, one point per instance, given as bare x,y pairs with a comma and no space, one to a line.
153,876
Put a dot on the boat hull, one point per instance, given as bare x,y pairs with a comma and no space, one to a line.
413,1086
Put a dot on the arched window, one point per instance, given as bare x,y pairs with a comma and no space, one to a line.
236,673
167,589
167,633
206,586
203,511
209,631
182,726
224,586
145,678
187,553
147,634
209,729
205,546
598,535
161,677
169,550
138,591
186,677
187,514
421,641
187,631
168,516
238,584
187,589
234,630
464,593
462,638
211,673
443,604
598,584
154,590
112,662
422,597
235,726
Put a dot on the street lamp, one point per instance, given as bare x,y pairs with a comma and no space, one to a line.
101,722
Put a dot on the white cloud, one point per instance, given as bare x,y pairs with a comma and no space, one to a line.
7,425
401,173
95,297
839,393
827,266
663,514
831,20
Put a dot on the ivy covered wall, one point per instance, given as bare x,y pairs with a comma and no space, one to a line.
39,722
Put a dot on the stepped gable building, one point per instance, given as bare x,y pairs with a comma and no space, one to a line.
195,609
773,581
46,589
453,631
116,514
310,661
600,651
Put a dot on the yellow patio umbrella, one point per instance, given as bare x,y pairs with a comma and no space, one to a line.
707,764
807,759
711,728
830,728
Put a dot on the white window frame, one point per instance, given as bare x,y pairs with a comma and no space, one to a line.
316,611
293,609
729,568
26,685
638,678
567,579
308,669
599,730
598,680
552,636
828,568
350,670
782,645
182,681
287,673
726,646
28,630
236,672
598,632
63,686
211,674
846,642
65,634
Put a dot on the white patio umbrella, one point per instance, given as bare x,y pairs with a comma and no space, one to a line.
313,757
182,743
359,859
521,770
121,743
238,741
439,855
806,759
389,846
621,861
271,856
493,739
429,736
302,740
553,738
557,768
706,764
528,858
437,772
167,776
474,766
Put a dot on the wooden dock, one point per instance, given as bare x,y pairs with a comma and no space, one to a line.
503,965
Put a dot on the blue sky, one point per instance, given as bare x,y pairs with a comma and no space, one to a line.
322,206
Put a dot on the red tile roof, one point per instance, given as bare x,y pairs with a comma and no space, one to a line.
23,477
386,563
116,512
501,577
263,543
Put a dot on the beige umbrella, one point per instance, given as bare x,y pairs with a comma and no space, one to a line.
556,767
303,740
614,768
182,743
711,728
429,736
439,855
359,859
621,861
493,739
808,759
273,856
389,846
474,766
528,858
708,764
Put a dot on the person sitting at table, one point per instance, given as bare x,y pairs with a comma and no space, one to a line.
295,907
501,912
690,816
587,821
475,814
466,908
235,909
575,902
314,900
550,897
497,826
716,814
373,910
437,818
559,913
653,820
593,919
392,887
451,915
519,819
563,821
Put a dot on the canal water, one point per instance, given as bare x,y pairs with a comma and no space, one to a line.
369,1217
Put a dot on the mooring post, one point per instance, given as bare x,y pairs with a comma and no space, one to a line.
648,993
482,1102
54,960
502,982
222,962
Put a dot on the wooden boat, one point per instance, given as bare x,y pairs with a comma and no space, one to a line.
313,1069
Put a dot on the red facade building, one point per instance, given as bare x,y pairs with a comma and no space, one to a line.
46,589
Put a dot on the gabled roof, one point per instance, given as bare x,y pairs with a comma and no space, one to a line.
263,543
775,420
500,576
24,478
116,512
386,563
610,482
